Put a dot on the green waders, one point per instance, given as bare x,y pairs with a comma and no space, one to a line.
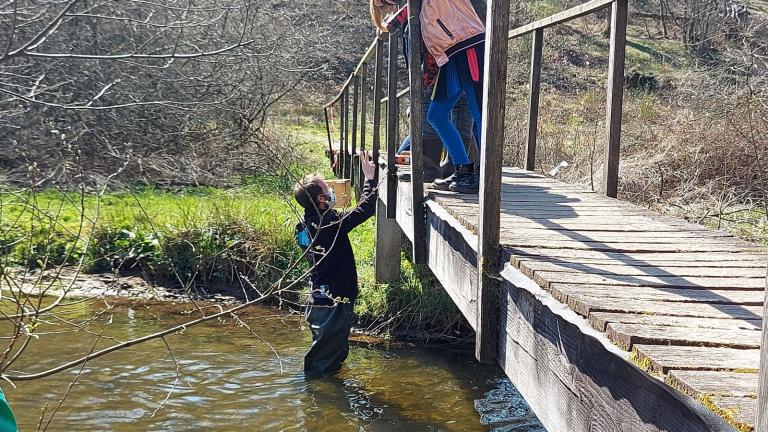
330,327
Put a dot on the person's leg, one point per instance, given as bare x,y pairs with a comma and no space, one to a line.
462,119
330,326
406,145
439,118
473,102
469,181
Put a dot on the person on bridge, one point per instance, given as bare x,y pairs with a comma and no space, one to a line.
454,38
323,234
435,166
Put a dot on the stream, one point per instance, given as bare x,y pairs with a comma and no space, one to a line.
227,375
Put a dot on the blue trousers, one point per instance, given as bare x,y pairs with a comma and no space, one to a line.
440,119
460,118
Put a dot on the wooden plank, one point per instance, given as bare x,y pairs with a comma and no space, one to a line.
540,231
742,410
492,131
567,237
529,267
453,260
661,358
628,335
722,383
533,99
388,239
615,97
585,305
684,295
546,279
378,83
675,266
558,18
600,320
575,381
633,258
618,247
392,132
762,395
419,252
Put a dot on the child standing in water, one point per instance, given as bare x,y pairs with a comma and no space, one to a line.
324,235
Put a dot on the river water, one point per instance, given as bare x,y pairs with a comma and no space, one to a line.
230,378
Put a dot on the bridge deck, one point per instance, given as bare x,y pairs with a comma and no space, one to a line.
685,301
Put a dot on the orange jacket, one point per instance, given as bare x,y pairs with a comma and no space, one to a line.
447,27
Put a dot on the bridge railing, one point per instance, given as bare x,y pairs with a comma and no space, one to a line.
492,131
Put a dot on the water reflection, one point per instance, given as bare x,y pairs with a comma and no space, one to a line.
230,380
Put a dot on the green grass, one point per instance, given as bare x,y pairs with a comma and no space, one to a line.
189,235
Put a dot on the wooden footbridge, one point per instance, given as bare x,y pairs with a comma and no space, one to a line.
606,316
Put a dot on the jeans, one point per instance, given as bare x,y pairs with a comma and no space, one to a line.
460,117
439,117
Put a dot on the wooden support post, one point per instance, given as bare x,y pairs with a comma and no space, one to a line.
494,97
330,142
355,107
388,241
347,164
392,113
377,86
615,97
417,154
533,99
762,383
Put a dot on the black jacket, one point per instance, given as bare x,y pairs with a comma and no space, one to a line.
330,250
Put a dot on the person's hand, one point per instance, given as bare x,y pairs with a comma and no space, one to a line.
366,166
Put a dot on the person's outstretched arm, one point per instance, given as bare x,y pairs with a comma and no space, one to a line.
366,206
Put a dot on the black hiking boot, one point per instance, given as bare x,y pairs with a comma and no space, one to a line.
467,181
443,184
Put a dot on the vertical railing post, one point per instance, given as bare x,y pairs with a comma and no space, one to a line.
392,124
347,164
340,160
377,87
330,142
762,381
533,99
492,133
615,97
417,154
363,115
355,107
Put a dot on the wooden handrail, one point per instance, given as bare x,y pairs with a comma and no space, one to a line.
367,56
561,17
399,94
